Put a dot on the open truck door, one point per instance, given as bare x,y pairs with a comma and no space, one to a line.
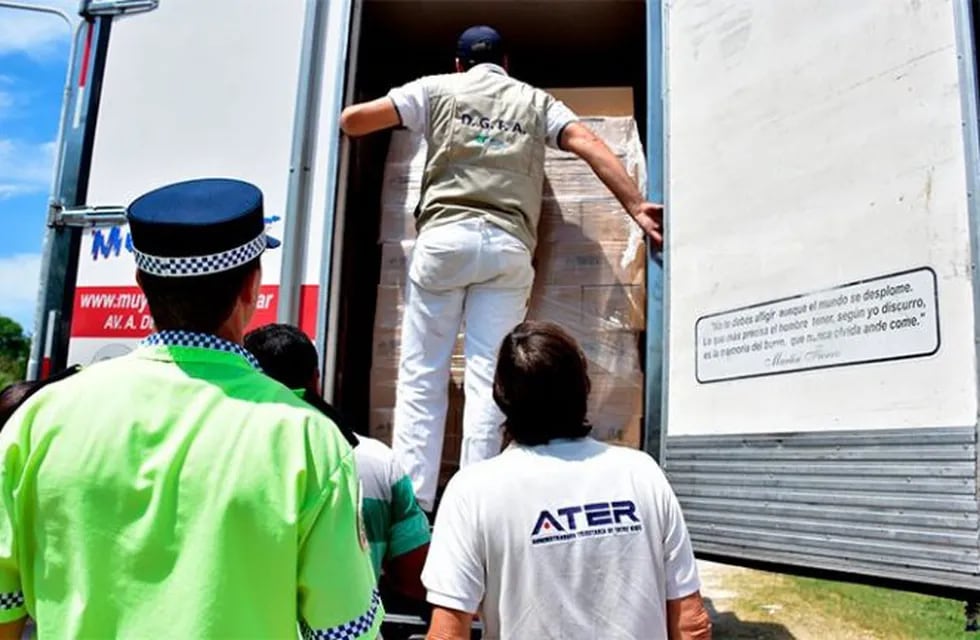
821,298
225,89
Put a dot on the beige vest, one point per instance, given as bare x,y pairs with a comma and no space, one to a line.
486,145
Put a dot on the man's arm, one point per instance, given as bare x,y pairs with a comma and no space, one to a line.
687,618
404,573
580,140
455,570
408,536
449,624
13,630
369,117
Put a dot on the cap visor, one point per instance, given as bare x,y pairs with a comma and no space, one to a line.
272,243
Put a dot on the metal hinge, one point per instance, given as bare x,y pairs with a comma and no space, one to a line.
106,8
90,217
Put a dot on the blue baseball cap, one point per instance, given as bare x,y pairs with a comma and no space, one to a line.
480,44
198,227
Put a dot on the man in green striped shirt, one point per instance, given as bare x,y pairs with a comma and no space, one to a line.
397,529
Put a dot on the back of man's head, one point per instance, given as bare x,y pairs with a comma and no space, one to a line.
202,303
288,356
285,353
542,384
478,45
14,395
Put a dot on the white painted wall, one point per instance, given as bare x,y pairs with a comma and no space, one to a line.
812,144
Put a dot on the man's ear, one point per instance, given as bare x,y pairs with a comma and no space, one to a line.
139,279
505,63
459,66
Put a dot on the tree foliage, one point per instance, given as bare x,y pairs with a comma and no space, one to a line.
15,348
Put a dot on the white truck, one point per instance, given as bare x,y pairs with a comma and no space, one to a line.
811,344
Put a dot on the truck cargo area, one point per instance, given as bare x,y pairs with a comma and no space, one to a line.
552,44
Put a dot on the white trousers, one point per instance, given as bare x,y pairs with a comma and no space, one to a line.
470,273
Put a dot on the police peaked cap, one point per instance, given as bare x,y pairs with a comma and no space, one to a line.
198,227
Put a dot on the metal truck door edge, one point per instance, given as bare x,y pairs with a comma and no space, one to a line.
339,52
654,430
66,210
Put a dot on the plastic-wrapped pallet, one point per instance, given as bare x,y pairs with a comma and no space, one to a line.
590,278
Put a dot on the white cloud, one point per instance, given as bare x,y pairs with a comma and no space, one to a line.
6,102
35,34
8,99
20,277
25,167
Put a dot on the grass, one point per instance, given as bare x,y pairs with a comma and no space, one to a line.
757,605
892,614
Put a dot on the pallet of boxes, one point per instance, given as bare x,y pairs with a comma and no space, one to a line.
590,274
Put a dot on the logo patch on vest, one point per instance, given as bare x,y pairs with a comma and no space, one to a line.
593,520
483,123
361,529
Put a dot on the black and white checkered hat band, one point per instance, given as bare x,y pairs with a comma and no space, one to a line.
184,267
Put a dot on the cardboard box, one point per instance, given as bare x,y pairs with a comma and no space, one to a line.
620,135
596,101
397,222
384,382
591,307
611,352
394,261
401,184
616,394
380,424
390,306
577,220
406,147
611,307
616,407
592,263
556,303
386,347
453,440
626,433
571,177
590,274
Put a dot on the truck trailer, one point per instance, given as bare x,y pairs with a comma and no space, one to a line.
810,335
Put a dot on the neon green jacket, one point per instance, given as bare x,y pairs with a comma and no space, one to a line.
179,492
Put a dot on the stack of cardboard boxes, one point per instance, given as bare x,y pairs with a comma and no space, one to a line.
590,274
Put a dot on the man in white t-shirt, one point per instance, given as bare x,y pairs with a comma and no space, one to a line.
560,536
477,219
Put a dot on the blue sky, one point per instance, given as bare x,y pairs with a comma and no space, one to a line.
33,61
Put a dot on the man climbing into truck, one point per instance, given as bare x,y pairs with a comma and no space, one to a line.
477,220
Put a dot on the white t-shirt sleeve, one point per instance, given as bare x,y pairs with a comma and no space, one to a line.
412,104
558,117
680,567
454,569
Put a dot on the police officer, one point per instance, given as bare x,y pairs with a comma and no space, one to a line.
177,491
477,222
